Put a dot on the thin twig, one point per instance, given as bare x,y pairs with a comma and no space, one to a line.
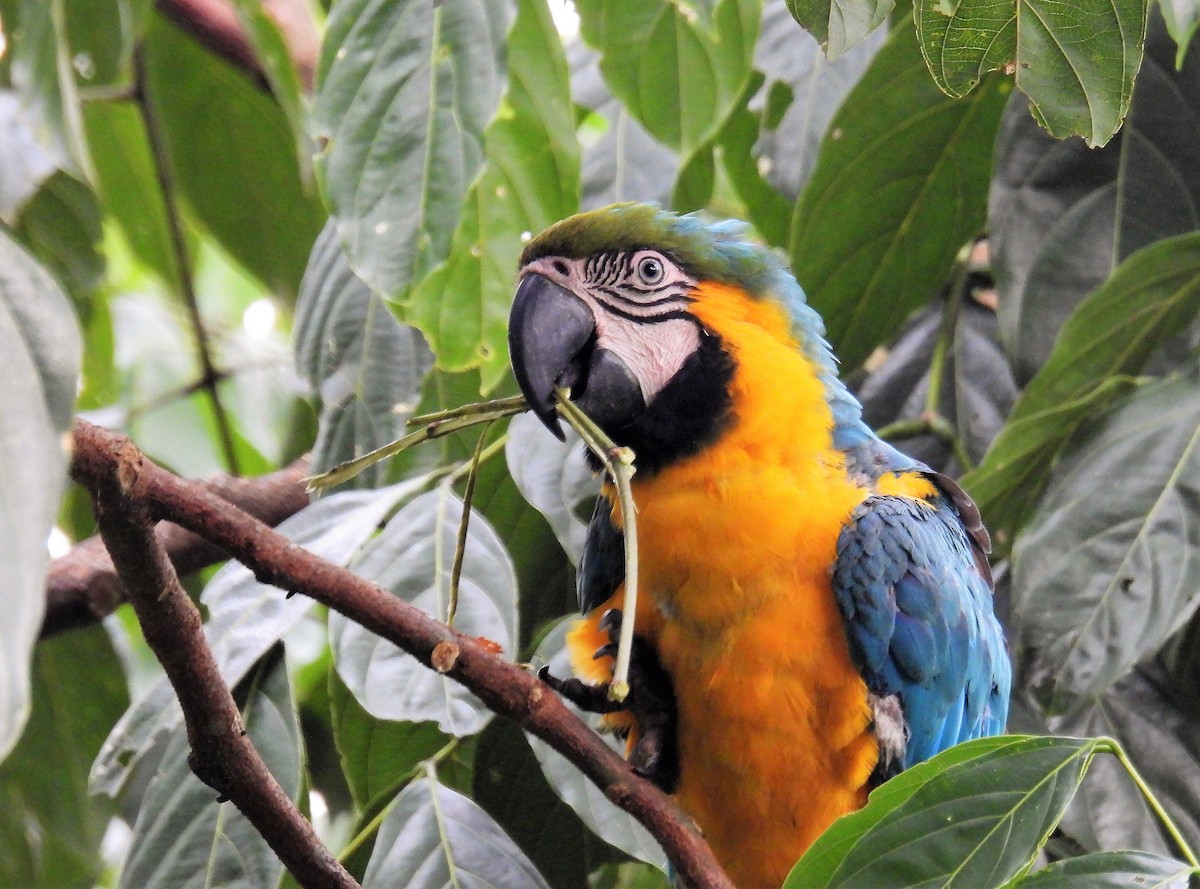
434,428
503,687
464,525
156,136
222,755
620,465
1156,807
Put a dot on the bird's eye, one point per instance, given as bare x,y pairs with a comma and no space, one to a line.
651,271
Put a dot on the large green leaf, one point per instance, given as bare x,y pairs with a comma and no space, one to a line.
973,817
412,557
376,754
404,93
184,837
840,25
363,366
530,180
678,78
1111,870
1079,78
1106,572
545,828
1061,215
50,827
1153,294
40,343
246,618
899,188
436,838
1150,714
232,156
61,225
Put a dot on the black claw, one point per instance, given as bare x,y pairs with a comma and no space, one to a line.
609,650
592,698
610,622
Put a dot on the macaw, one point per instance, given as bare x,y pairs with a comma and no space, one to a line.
816,608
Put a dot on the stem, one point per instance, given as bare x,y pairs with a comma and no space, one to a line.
435,428
464,524
1152,801
937,365
372,826
516,403
619,463
162,172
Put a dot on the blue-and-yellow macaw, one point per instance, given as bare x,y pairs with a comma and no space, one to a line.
816,604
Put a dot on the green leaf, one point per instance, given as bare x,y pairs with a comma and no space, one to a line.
60,224
404,93
921,162
376,753
43,76
364,367
50,827
1148,712
974,816
436,838
275,57
245,619
1182,17
1110,870
554,477
232,157
1134,570
615,826
41,346
183,837
679,79
839,25
530,180
24,163
621,160
1062,215
1153,294
1079,78
545,828
412,558
804,89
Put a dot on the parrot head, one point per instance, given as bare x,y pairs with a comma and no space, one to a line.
608,307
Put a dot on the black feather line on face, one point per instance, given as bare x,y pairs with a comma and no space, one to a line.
690,412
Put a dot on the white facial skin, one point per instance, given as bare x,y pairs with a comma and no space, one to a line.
638,298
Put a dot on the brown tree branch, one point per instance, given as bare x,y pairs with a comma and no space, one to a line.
82,586
506,689
222,756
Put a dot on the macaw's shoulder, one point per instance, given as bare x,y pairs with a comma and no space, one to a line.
918,617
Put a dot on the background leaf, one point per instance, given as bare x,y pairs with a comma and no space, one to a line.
1111,870
922,174
40,340
183,837
412,558
840,25
435,837
403,96
364,367
1133,576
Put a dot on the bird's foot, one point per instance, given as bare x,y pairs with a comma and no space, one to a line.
651,700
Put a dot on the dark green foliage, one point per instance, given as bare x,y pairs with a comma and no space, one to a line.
362,236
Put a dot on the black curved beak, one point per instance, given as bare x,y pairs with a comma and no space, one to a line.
549,329
552,343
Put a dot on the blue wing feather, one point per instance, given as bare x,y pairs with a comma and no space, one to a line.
918,617
602,565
